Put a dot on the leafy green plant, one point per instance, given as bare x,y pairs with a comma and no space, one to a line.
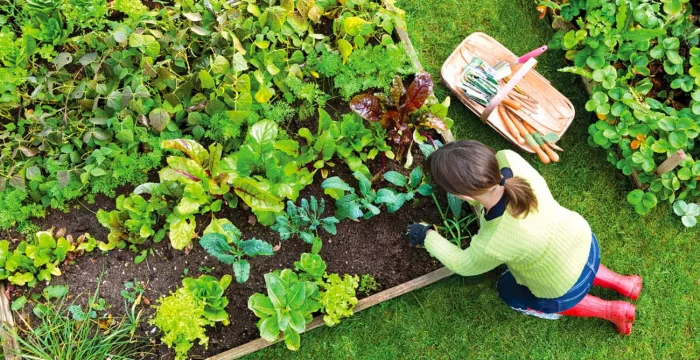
210,291
184,315
133,291
399,111
687,212
415,183
222,240
133,221
643,201
349,204
286,309
338,297
305,220
368,284
38,259
310,267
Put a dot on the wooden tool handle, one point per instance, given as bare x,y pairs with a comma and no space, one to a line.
552,155
510,125
530,141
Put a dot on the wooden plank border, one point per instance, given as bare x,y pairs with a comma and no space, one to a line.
7,324
365,303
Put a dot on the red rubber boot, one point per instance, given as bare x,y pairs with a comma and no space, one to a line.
628,286
620,313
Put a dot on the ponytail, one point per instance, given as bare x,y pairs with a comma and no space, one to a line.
521,198
470,168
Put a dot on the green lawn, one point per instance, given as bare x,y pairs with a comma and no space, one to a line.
463,317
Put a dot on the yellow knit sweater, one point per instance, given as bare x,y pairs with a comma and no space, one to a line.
546,251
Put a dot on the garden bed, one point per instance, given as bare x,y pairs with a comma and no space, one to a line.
376,246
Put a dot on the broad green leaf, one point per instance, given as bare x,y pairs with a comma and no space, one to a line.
395,178
182,230
296,295
261,305
191,148
689,221
205,80
269,329
276,290
215,244
635,196
256,247
241,269
292,339
345,49
19,303
354,26
255,196
220,65
54,292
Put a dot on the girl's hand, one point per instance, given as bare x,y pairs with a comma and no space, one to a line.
417,232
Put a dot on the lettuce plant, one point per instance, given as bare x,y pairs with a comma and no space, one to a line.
338,297
38,259
286,309
184,315
399,111
223,241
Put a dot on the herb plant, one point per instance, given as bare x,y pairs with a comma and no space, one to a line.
368,284
222,240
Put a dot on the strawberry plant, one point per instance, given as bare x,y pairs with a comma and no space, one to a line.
641,58
223,241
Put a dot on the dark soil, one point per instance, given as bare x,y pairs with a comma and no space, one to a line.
377,246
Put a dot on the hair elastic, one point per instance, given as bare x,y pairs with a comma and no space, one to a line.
503,181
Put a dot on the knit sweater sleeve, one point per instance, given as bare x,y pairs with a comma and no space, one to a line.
471,261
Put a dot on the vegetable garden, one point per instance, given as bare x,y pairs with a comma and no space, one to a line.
175,147
182,177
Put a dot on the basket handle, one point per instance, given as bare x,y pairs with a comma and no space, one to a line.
505,90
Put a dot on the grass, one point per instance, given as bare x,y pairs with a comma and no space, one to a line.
463,317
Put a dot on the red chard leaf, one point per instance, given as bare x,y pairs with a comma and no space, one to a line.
368,106
418,92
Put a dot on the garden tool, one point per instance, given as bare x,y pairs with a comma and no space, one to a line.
502,68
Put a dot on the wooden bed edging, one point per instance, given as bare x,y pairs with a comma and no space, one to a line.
375,299
9,345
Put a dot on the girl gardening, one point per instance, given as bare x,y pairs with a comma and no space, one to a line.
553,258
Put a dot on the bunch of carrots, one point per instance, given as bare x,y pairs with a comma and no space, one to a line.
522,131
